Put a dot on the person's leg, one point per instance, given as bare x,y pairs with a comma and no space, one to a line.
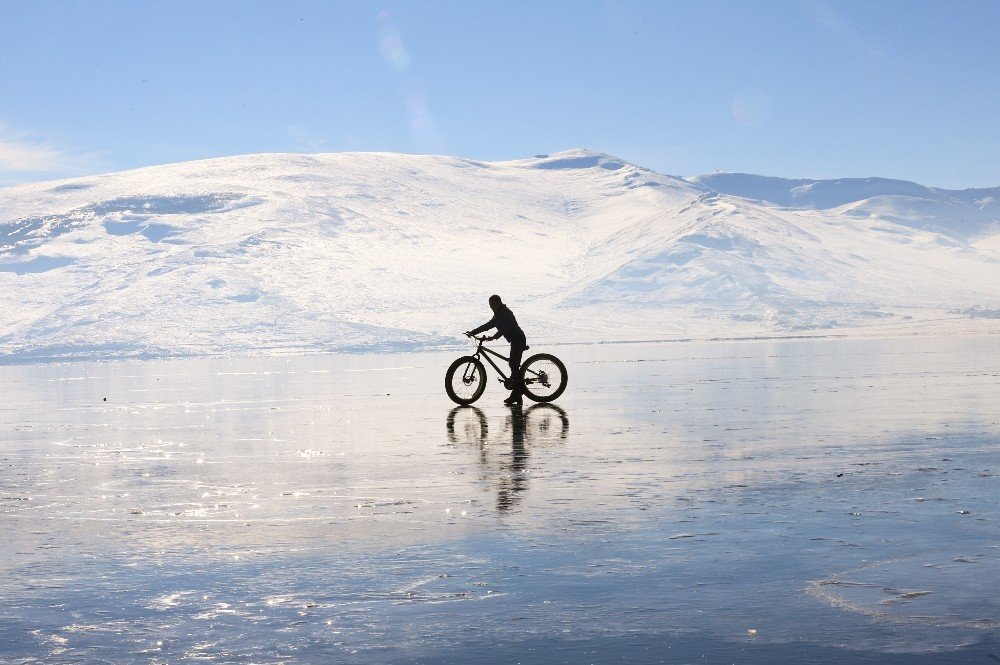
516,389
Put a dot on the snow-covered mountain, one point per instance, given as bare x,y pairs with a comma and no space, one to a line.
359,251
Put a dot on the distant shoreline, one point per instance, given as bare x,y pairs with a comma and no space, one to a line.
985,328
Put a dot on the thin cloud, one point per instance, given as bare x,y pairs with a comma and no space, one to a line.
304,139
829,16
21,156
24,157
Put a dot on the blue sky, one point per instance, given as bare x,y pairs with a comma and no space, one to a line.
810,88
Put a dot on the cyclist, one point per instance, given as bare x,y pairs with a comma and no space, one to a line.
505,323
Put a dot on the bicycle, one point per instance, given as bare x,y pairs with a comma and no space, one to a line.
543,376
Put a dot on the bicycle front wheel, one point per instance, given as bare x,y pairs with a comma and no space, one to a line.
465,380
543,377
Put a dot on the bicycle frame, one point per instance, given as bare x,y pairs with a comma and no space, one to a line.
485,353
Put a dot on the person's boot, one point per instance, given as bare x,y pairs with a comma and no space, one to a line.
515,398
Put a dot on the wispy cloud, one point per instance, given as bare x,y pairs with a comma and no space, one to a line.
304,139
25,157
830,16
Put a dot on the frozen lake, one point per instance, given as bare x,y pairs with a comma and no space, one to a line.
807,500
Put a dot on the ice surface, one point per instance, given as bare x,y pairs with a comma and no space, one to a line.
357,251
797,501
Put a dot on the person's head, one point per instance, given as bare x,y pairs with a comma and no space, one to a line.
495,303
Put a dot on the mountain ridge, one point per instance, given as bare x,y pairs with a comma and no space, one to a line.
381,251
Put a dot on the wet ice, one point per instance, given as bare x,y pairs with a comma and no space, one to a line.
837,497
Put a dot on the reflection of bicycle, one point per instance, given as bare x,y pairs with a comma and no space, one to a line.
467,424
545,423
541,423
543,376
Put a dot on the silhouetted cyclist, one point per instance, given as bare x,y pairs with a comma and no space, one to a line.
505,323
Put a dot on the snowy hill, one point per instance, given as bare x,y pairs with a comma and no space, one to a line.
968,213
362,251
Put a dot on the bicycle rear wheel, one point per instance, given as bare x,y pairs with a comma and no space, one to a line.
465,380
543,377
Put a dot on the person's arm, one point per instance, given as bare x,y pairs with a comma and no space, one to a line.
486,326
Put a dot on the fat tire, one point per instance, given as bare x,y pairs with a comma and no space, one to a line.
455,367
555,361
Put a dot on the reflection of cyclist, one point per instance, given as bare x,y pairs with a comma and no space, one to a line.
505,323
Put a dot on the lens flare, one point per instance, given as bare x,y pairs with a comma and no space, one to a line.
394,53
391,45
421,121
